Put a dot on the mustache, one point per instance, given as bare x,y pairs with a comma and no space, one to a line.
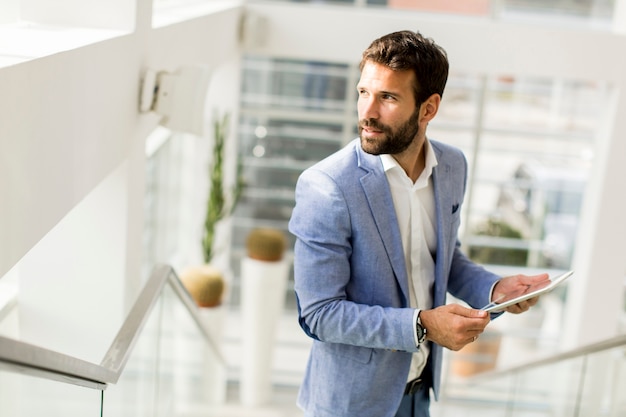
372,123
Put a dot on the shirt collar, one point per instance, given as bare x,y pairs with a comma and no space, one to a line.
390,162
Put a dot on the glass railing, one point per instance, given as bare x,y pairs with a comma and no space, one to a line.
586,382
162,363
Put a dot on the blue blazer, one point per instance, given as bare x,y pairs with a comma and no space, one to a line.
351,281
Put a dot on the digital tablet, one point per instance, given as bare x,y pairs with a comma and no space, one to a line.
518,296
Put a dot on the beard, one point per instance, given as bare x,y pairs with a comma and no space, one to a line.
394,140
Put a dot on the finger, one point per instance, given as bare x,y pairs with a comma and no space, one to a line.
519,307
514,309
533,279
532,301
467,312
473,337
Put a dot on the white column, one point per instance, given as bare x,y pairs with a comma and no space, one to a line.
595,294
619,16
263,286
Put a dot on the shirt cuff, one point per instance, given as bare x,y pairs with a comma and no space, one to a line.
491,291
416,314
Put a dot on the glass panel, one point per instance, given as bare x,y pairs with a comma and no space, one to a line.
293,85
190,374
542,105
548,390
287,140
481,393
534,157
172,369
134,393
589,385
604,383
460,102
535,196
22,395
293,114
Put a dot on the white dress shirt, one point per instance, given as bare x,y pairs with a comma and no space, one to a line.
415,210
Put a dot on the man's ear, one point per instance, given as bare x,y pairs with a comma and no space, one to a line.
429,108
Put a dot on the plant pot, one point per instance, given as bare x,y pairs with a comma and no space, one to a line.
205,284
265,244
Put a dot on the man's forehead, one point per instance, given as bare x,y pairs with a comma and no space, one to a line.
381,75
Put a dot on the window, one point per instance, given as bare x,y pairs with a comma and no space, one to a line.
529,144
293,113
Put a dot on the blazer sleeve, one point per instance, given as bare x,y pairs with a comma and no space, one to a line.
469,281
337,300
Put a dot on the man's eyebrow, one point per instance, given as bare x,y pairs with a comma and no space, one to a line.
395,93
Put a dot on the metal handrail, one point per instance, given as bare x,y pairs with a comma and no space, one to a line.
34,360
614,342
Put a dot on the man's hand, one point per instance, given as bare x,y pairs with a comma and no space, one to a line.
516,285
453,326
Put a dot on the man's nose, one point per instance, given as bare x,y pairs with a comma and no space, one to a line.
368,109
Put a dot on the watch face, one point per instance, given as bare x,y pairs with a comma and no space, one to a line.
421,333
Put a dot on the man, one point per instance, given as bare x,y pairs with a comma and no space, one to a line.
377,250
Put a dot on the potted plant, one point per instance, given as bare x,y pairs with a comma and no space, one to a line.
206,282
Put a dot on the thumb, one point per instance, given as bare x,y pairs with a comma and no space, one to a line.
479,314
468,312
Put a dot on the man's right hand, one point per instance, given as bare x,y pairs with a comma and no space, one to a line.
454,326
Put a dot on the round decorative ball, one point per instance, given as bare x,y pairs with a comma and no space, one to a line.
205,284
266,244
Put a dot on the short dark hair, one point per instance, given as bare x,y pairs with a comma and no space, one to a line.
407,50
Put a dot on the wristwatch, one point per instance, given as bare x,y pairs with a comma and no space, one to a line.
420,329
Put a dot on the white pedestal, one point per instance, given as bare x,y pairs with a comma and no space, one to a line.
214,371
263,286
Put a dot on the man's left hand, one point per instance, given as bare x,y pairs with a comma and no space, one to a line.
517,285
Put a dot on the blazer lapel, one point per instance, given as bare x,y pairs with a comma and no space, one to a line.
380,201
443,208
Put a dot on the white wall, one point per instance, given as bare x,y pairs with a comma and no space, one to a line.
70,127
